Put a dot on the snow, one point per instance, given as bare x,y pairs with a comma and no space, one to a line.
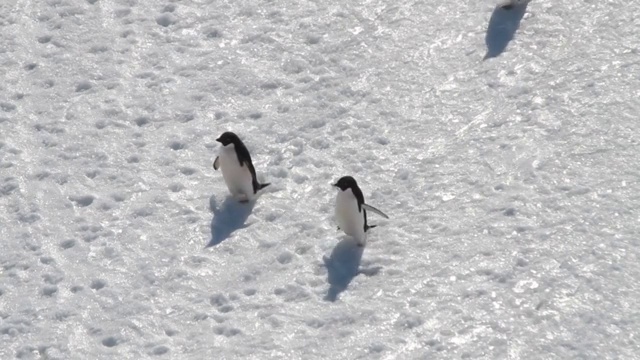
503,146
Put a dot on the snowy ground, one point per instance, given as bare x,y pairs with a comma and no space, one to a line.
511,182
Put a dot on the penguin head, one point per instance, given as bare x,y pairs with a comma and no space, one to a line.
346,182
228,138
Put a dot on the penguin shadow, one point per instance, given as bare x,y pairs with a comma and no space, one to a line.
343,265
227,218
502,27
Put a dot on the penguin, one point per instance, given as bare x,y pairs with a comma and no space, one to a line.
351,211
237,169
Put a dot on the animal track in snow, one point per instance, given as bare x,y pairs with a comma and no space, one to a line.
44,39
67,244
160,350
285,257
291,293
249,291
97,284
166,19
177,145
302,249
118,196
46,260
83,86
185,117
49,290
200,316
313,39
7,107
314,323
133,159
8,185
100,124
225,308
91,174
142,120
82,200
221,302
176,187
51,128
409,321
92,232
226,331
144,211
213,33
110,341
188,171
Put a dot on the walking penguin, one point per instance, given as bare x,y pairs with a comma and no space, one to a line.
237,169
351,210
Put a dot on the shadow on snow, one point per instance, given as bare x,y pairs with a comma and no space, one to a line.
227,218
502,27
343,265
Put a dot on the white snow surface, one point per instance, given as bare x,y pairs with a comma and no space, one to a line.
504,147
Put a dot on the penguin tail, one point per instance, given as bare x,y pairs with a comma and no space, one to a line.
370,227
262,186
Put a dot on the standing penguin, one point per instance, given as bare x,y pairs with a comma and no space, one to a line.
351,211
237,169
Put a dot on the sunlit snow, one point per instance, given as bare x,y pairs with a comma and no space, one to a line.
502,143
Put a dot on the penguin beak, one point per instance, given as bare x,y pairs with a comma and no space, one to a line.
218,140
336,185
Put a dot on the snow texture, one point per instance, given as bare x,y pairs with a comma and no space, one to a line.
502,143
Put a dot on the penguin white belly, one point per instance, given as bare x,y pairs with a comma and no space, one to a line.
238,178
349,219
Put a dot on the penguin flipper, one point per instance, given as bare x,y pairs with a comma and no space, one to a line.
216,163
372,209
